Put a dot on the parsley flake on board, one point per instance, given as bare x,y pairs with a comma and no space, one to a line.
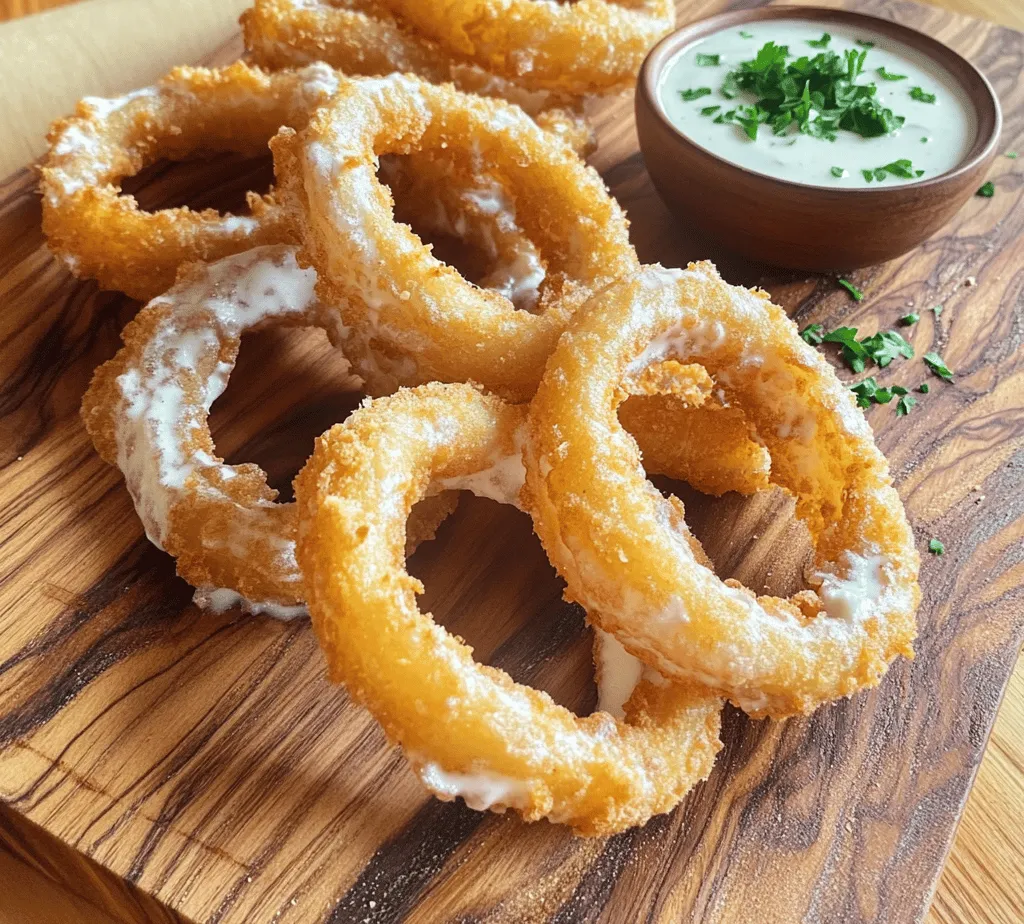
936,363
708,60
937,309
908,319
822,42
853,352
936,547
690,95
838,172
987,191
1011,154
904,405
888,75
855,293
820,94
923,388
812,334
922,96
885,346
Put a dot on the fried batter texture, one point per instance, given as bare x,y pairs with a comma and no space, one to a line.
583,47
362,38
493,742
616,541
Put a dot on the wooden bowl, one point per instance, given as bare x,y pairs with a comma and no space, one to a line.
802,226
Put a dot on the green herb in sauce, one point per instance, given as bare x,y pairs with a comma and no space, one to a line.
921,96
902,168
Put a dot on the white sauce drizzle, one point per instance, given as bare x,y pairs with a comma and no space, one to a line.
481,791
502,480
155,421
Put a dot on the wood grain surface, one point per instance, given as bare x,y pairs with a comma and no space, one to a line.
207,760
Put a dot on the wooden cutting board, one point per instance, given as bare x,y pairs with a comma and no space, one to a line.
207,760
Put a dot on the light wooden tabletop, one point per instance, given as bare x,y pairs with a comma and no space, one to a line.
983,882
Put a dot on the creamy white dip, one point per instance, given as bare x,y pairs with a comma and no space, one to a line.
935,137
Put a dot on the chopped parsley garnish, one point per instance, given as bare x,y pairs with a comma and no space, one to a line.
925,139
868,392
812,334
938,366
923,388
853,353
855,293
690,95
904,405
746,34
909,319
987,191
902,168
864,44
822,42
936,547
921,96
708,60
1011,154
885,346
819,94
937,309
709,110
881,348
838,172
888,75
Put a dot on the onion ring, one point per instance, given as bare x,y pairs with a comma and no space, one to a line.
363,40
146,411
395,299
495,743
614,539
688,436
102,235
588,46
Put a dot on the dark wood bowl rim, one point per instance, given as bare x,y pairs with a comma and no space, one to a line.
976,86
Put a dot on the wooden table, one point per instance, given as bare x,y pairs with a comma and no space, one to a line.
983,881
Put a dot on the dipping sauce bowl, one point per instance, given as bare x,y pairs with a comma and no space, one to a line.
800,224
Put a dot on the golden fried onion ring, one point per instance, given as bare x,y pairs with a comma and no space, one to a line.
362,39
395,299
103,235
146,411
588,46
615,539
468,730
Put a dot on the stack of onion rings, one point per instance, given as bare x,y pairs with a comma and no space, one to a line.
467,729
146,411
103,235
615,540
